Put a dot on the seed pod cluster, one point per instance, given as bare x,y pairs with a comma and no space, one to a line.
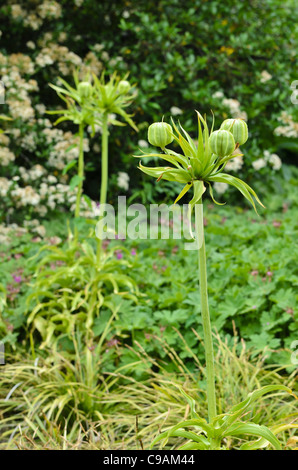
238,128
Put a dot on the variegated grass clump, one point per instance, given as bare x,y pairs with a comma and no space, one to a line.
85,407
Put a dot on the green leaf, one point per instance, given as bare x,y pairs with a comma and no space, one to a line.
183,192
199,423
75,181
192,404
244,188
252,429
69,166
237,410
167,173
168,158
199,190
193,446
212,197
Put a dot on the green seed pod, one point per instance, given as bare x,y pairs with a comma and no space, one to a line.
84,90
123,87
222,143
238,128
159,134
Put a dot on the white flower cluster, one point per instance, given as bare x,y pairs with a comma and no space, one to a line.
220,188
235,164
87,211
25,196
37,171
232,104
8,232
5,184
49,9
67,61
17,88
175,111
63,147
143,143
123,180
6,156
29,141
265,76
272,158
34,18
289,127
49,193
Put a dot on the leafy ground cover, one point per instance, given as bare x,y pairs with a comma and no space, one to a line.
252,280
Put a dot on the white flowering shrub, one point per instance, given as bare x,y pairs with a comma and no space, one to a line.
33,152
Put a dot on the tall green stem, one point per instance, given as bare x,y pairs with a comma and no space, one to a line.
205,311
80,169
104,170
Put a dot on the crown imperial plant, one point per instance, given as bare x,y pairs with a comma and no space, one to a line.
160,134
222,143
202,162
238,128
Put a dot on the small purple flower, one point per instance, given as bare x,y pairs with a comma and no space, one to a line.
254,272
119,254
17,278
133,252
276,223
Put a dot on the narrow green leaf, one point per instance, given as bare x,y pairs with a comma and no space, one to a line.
75,181
244,188
69,166
184,191
252,429
212,197
192,404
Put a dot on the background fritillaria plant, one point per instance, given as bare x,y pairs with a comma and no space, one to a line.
200,164
109,99
77,112
95,104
